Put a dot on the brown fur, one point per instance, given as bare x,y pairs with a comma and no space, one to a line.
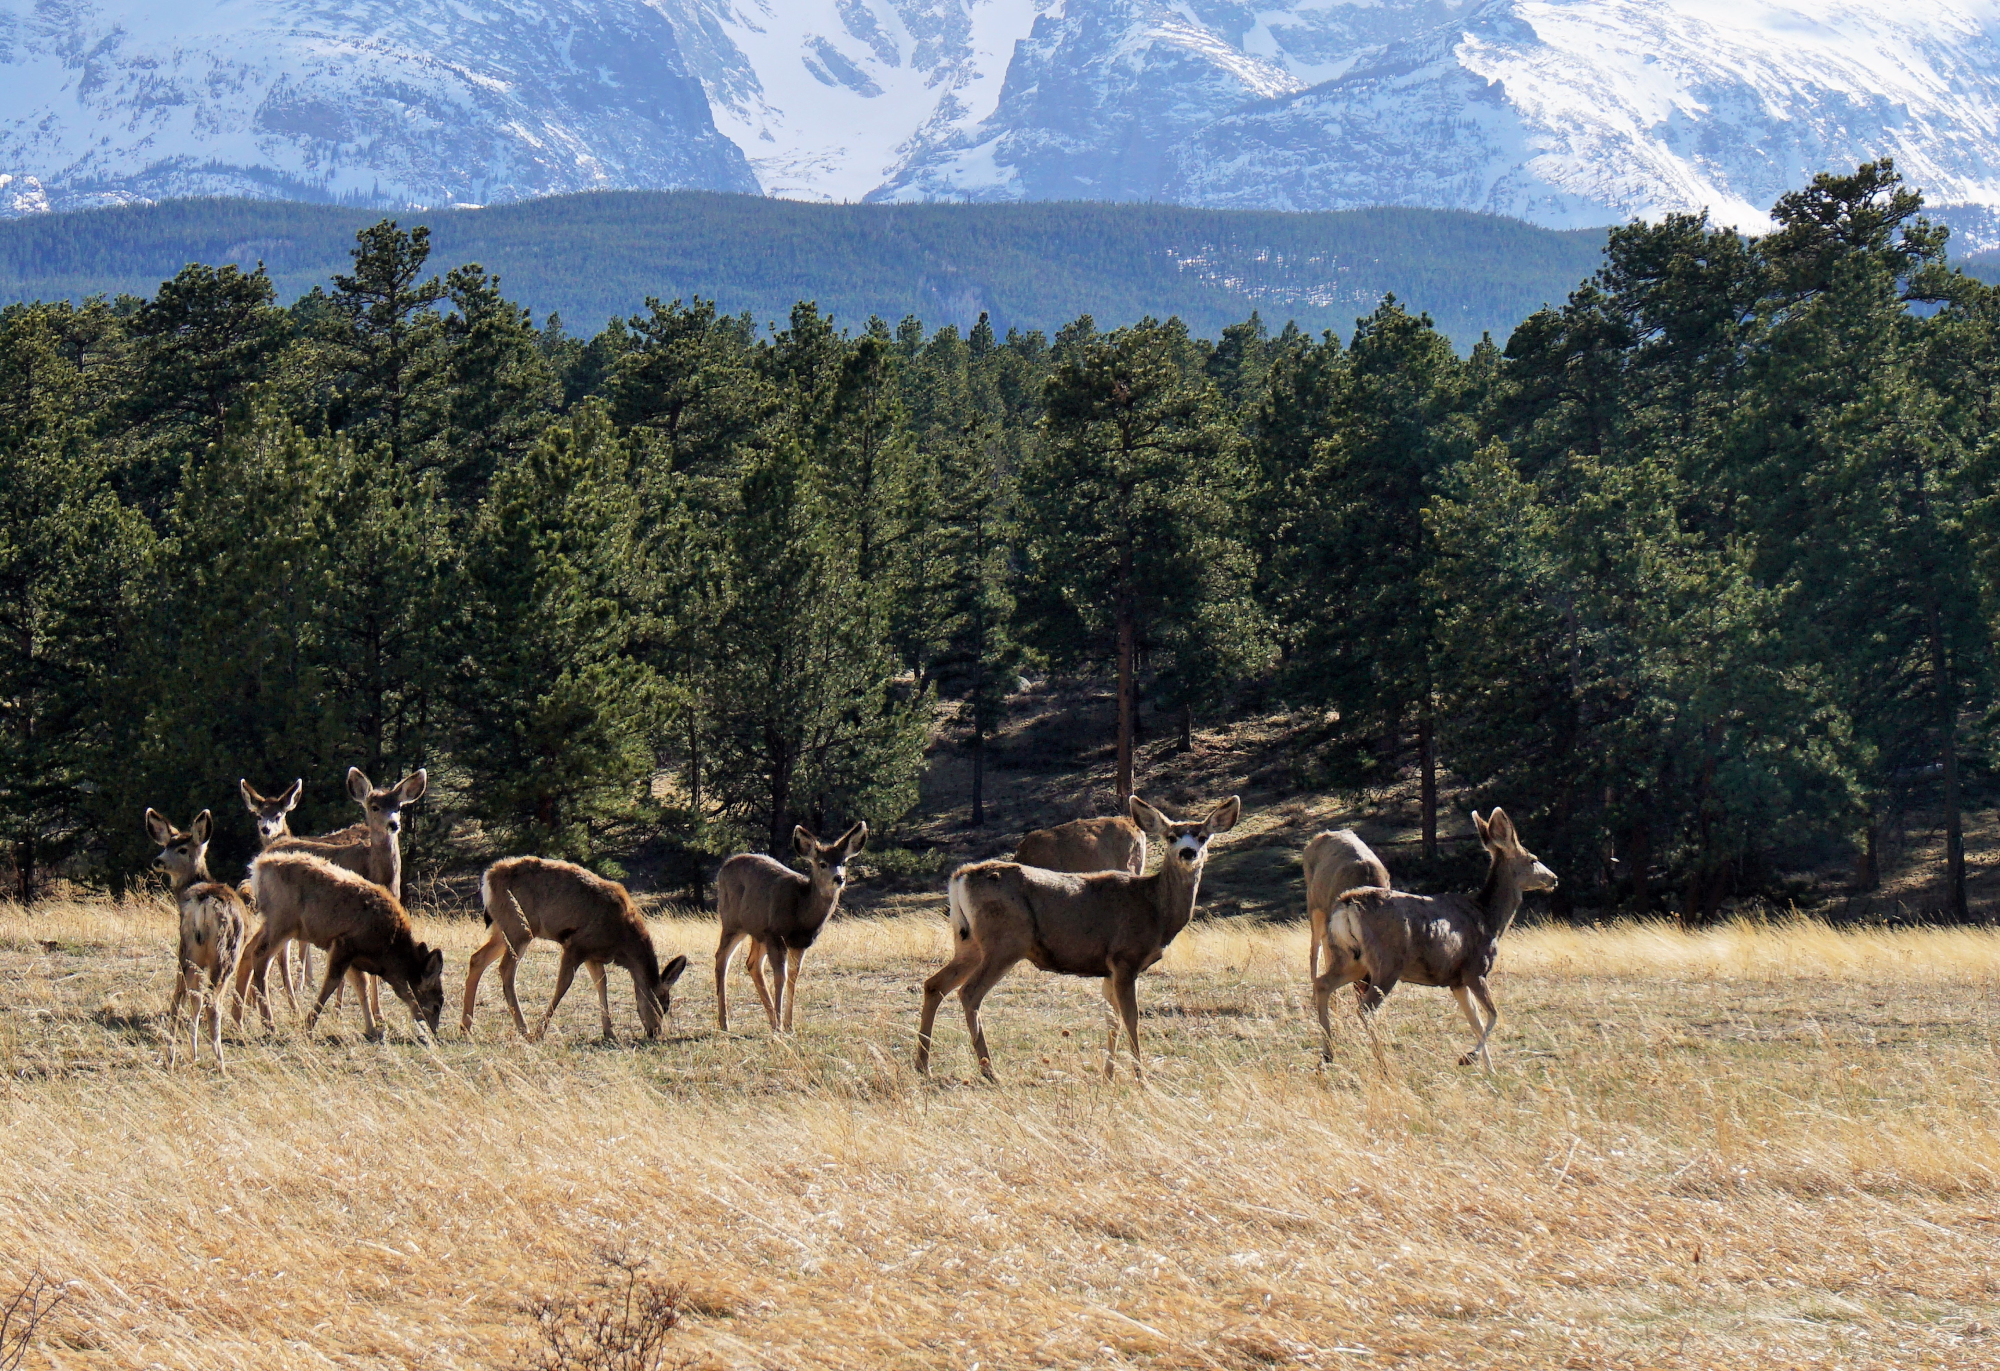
1110,844
361,926
1336,862
781,912
1377,938
593,919
212,922
1110,924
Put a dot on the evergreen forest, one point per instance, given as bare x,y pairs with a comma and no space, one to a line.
1698,573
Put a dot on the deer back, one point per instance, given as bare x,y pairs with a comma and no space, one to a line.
763,897
1423,939
565,903
1337,862
306,896
212,919
1107,844
1077,925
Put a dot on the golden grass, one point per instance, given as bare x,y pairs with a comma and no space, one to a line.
1766,1146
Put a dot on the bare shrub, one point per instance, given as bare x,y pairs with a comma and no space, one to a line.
625,1330
23,1317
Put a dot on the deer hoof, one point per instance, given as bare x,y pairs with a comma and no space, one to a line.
1468,1060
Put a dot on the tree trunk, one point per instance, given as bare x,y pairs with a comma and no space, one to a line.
24,869
1187,728
1947,707
1868,870
1428,787
1127,644
1639,852
978,777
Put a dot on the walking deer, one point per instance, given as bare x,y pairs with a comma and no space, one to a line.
1111,924
1112,844
1376,937
1336,862
593,919
781,912
360,925
211,931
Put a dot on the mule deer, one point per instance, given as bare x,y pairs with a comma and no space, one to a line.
272,815
1113,844
1111,924
1336,862
593,919
1377,938
361,926
211,930
781,912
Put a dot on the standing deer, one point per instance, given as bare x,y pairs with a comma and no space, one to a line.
272,815
1113,844
361,926
594,920
1336,862
1377,937
211,930
781,912
1111,924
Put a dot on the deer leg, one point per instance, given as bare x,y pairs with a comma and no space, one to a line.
1111,1019
337,958
730,937
1124,982
1485,999
259,987
755,965
1464,998
510,962
941,983
1318,918
603,1000
373,1027
970,995
244,965
566,973
793,956
484,956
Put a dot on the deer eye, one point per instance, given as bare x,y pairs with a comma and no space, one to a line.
182,851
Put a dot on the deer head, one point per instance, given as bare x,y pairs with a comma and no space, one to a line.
384,807
183,856
1516,867
429,987
664,987
1185,844
271,813
826,863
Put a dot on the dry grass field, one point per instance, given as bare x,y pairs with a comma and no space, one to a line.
1767,1146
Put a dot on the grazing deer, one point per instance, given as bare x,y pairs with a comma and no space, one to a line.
780,912
1111,924
594,920
1113,844
1336,862
211,930
361,926
1377,937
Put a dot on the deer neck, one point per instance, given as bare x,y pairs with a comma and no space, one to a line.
1174,890
385,860
820,904
197,874
1499,899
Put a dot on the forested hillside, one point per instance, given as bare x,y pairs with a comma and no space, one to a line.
594,257
1696,574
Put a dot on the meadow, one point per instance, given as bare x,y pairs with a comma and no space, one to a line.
1765,1145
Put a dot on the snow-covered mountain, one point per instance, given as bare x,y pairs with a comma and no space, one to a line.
1565,112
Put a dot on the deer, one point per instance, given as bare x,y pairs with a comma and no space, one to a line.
1110,844
1376,937
360,924
1336,862
371,849
593,919
781,912
272,815
1108,924
212,923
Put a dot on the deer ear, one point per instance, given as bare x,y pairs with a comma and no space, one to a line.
855,838
414,785
1479,826
1224,816
1149,819
359,787
204,824
803,842
672,971
434,964
291,796
157,827
252,801
1501,828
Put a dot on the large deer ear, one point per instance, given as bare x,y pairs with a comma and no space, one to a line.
855,838
359,787
671,972
1149,819
803,842
291,795
1224,816
157,827
252,801
204,824
1479,826
1500,828
414,785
